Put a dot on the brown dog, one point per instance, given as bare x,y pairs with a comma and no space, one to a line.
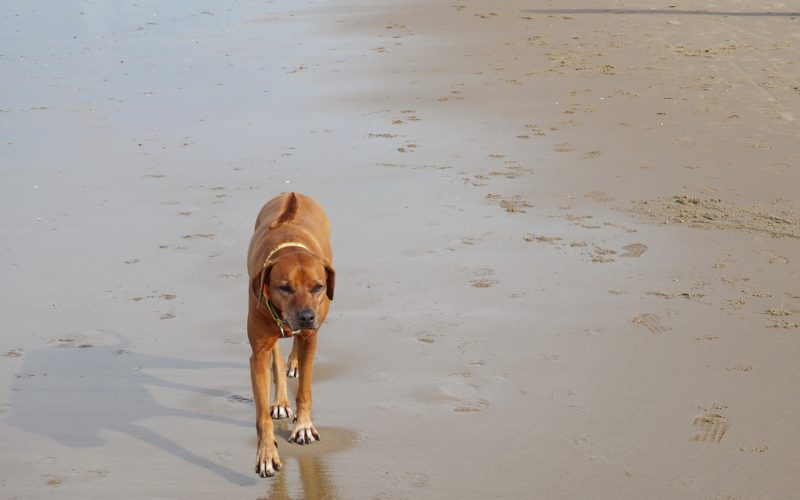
291,288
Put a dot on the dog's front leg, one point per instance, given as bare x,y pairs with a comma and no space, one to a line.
267,460
304,431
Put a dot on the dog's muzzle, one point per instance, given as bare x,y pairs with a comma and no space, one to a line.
307,319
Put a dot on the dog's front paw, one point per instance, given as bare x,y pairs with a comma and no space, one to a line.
267,460
304,433
281,409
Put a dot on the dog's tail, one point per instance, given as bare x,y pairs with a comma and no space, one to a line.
288,212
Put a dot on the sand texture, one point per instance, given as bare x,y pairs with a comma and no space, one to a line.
566,236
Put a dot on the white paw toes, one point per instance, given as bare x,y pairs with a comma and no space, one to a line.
292,372
267,461
266,469
304,434
281,411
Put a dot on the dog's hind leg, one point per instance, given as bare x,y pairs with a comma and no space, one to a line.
293,370
281,408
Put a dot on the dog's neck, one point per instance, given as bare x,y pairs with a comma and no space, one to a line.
281,247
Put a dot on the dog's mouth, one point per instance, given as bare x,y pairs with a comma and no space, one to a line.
302,332
299,328
296,329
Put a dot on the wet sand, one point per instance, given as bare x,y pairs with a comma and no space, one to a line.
567,242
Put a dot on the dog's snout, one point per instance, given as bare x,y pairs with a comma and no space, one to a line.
306,318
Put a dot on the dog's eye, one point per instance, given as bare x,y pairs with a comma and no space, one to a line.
285,288
318,288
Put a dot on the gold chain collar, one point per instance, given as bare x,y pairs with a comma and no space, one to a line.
282,246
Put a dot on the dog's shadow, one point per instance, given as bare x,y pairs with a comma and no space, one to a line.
72,391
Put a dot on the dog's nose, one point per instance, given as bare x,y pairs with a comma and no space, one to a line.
306,318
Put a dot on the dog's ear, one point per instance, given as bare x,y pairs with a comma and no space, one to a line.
259,280
330,280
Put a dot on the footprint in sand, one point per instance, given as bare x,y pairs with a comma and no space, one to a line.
650,322
471,406
598,196
237,398
634,250
512,204
779,260
482,283
713,427
455,393
602,255
592,155
483,280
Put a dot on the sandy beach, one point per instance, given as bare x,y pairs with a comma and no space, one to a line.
566,238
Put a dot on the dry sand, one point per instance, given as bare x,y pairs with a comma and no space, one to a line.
565,233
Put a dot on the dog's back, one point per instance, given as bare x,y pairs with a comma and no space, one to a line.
289,216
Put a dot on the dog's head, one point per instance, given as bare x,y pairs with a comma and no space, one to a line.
299,285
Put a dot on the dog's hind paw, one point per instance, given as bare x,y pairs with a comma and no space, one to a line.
292,372
281,410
